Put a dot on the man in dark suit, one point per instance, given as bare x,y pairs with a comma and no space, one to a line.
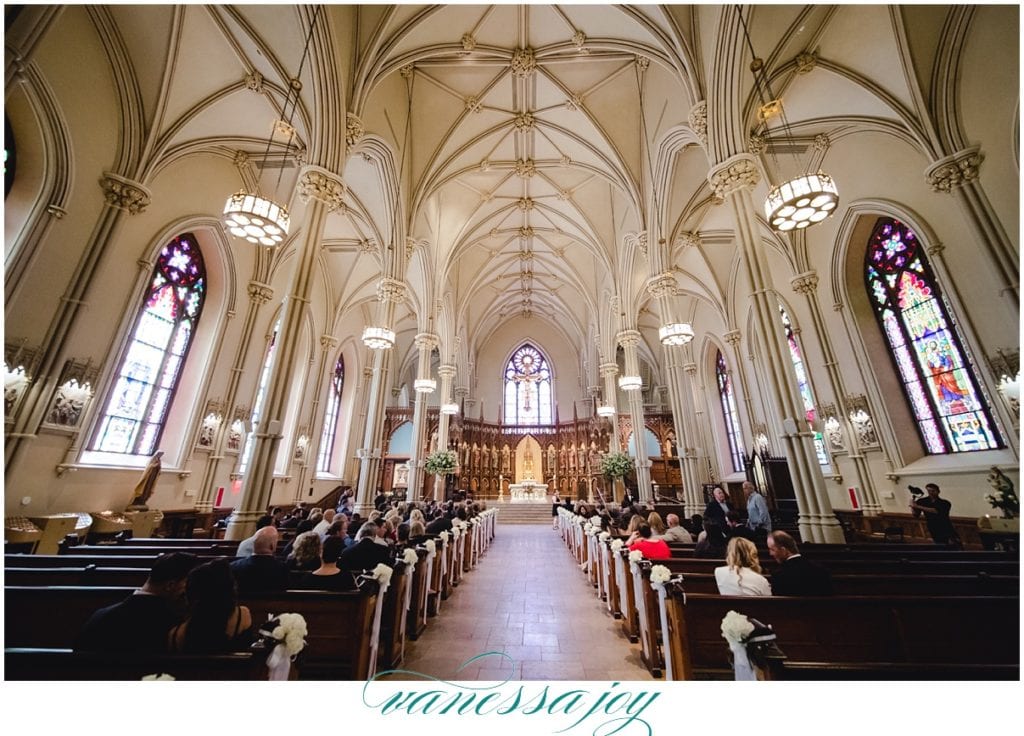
140,622
440,523
717,509
796,574
261,571
736,528
365,554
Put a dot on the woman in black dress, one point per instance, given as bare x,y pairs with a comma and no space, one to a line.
555,503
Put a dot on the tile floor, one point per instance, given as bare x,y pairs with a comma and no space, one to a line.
528,599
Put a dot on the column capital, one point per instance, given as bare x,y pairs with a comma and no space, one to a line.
805,283
426,341
461,392
391,290
327,342
446,370
662,285
322,185
698,120
259,293
688,239
955,170
690,368
354,129
124,194
733,174
609,369
732,337
629,338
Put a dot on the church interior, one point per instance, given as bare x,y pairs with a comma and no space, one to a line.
258,254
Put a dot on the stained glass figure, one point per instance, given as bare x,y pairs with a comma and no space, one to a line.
528,388
729,414
133,419
327,438
950,411
804,384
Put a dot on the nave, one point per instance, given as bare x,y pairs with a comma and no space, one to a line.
528,599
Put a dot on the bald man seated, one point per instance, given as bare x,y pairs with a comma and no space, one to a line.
675,533
261,571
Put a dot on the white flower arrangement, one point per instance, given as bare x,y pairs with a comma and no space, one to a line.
158,677
660,575
636,555
382,574
616,545
736,628
290,631
583,566
604,536
443,536
456,533
409,556
431,547
442,462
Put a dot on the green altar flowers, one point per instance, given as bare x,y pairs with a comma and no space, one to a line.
442,462
616,464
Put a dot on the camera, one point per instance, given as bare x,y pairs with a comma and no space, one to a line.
915,491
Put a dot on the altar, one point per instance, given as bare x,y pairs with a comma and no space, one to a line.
528,491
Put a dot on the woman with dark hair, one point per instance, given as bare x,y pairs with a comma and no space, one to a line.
216,623
328,576
714,542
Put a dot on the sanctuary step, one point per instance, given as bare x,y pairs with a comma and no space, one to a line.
522,513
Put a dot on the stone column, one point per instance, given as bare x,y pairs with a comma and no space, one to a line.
608,372
957,174
734,180
259,295
389,293
663,288
322,191
446,372
324,377
426,342
806,283
629,339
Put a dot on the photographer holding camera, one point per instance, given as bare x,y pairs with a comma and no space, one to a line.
936,511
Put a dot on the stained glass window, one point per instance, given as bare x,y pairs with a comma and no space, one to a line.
805,385
331,418
528,388
147,377
951,414
732,421
257,405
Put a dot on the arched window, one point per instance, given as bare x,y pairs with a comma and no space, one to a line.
951,415
732,421
147,377
257,405
323,463
805,385
528,388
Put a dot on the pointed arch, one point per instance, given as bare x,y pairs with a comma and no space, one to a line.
727,400
331,414
528,387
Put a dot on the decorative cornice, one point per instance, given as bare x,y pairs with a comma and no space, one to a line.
524,63
254,81
354,130
468,42
955,170
805,283
525,203
698,119
690,368
391,290
259,294
629,338
426,340
732,337
525,168
124,194
322,185
579,41
524,122
806,61
734,174
608,369
446,370
688,239
327,342
664,284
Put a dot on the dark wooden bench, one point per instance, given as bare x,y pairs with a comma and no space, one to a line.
340,625
209,549
944,630
783,669
21,663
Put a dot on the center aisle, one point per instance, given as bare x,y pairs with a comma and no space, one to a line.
526,598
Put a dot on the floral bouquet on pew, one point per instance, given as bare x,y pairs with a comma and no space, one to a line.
750,642
286,633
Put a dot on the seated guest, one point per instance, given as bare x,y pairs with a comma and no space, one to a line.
277,516
633,529
741,574
216,624
796,574
417,534
338,528
365,554
651,549
305,554
261,570
440,523
245,546
676,533
328,576
736,528
657,525
324,524
141,621
713,543
696,527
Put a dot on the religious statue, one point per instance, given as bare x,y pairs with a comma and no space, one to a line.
505,464
528,463
144,488
494,456
552,456
476,456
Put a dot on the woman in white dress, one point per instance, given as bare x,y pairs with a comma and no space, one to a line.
742,572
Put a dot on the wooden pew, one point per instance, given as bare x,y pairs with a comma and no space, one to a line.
22,663
25,561
416,621
784,669
846,629
340,640
391,649
210,549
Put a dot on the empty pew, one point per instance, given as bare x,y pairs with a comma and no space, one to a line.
22,663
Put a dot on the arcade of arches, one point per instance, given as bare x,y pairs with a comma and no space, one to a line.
524,196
